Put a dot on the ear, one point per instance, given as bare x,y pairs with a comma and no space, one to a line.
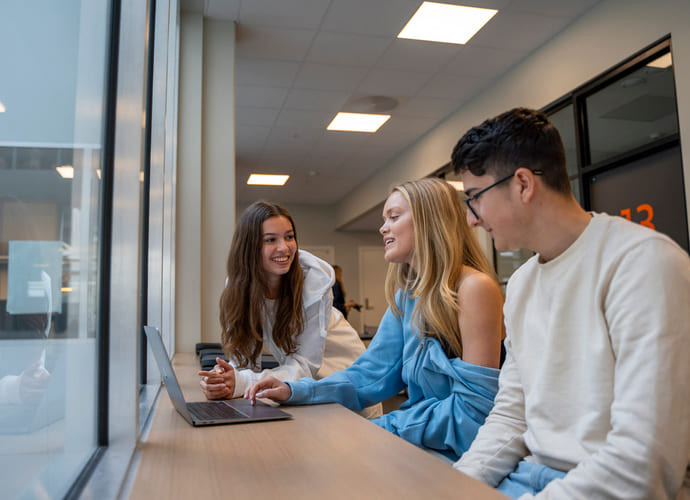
526,182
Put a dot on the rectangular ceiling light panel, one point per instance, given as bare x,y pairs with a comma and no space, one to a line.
662,62
267,179
442,22
357,122
65,171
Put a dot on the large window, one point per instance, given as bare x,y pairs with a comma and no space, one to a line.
54,60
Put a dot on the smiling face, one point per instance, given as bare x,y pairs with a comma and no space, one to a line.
495,211
397,230
278,248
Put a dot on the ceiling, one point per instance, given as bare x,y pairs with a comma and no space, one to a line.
299,62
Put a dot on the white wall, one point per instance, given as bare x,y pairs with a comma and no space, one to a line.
188,209
206,175
218,172
602,38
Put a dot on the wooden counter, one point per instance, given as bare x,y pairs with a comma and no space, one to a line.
323,452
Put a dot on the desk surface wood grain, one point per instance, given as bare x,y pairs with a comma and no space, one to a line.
324,451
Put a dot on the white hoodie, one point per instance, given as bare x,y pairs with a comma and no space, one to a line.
327,344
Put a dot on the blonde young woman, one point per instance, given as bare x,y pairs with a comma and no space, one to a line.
440,338
277,299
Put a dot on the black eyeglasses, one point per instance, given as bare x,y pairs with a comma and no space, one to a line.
472,198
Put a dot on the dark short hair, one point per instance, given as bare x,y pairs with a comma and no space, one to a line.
517,138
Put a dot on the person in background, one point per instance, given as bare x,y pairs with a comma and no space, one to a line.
440,337
277,298
594,399
339,293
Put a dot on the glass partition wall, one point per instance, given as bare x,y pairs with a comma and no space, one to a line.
622,145
51,134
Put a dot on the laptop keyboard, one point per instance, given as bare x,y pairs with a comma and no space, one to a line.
211,411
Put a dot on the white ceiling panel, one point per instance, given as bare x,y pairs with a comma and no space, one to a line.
261,71
299,62
393,82
565,8
316,100
265,97
456,88
415,55
264,117
281,162
267,42
506,30
284,13
288,139
425,107
348,50
340,141
250,139
300,118
483,62
369,17
398,132
329,77
225,10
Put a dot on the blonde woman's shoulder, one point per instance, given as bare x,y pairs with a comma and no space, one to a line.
478,291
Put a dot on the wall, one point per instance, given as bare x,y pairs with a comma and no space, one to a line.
218,172
188,210
609,33
206,175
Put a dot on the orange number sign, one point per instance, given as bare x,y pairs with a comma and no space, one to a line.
645,207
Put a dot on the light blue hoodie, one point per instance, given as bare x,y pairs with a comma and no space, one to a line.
448,398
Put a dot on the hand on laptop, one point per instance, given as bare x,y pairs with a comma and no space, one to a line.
218,383
268,387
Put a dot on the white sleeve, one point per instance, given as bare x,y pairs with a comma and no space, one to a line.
647,450
306,361
499,444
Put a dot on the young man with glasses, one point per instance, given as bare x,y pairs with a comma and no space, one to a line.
594,396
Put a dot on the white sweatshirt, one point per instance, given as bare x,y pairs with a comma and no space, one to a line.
327,344
597,378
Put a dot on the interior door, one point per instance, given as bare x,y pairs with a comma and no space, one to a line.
372,279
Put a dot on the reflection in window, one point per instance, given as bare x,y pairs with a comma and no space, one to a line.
563,120
635,110
50,205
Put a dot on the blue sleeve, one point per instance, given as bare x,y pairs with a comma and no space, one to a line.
448,424
376,375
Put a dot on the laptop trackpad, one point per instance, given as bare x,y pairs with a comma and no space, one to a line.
261,410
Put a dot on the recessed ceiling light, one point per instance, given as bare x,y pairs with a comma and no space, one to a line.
442,22
65,171
267,179
357,122
2,107
662,62
458,185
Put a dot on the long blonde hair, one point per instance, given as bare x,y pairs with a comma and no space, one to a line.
443,243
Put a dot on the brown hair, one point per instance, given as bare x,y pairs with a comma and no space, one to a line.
243,301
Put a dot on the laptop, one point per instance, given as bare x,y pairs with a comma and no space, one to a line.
203,413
